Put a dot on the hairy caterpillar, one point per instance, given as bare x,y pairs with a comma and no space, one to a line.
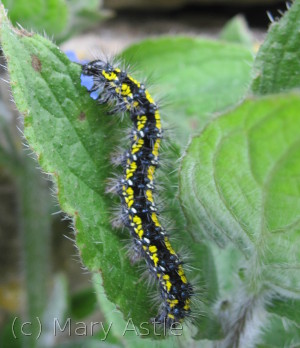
106,83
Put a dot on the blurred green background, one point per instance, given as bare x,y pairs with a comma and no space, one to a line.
41,271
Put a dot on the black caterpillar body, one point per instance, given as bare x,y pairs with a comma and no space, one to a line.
106,83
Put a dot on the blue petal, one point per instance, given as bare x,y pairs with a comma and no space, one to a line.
72,56
95,94
87,81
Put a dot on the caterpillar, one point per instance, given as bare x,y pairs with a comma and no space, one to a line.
109,84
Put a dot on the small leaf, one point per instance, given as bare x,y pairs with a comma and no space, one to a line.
277,64
240,182
237,31
39,15
82,15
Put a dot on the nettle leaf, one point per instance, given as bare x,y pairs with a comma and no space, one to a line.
277,64
195,78
240,182
74,138
39,15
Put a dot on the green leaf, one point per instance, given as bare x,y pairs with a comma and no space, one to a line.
237,31
73,138
240,182
279,333
287,308
197,77
82,15
83,303
69,133
39,15
277,64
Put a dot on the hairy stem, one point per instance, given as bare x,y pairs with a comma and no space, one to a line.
241,318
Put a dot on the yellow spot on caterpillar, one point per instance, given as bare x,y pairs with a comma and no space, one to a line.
141,233
134,81
109,76
168,285
137,220
157,118
142,118
149,98
132,168
125,90
149,196
166,277
141,122
187,305
151,171
138,229
181,274
155,220
169,247
129,191
154,257
156,147
130,203
152,249
172,303
137,146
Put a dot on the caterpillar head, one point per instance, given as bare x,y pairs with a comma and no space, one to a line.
96,67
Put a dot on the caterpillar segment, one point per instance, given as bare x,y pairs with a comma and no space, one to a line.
106,83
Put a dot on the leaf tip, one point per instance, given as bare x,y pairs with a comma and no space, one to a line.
5,20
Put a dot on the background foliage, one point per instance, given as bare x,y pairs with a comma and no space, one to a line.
238,181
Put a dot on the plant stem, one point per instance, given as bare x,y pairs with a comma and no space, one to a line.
35,234
241,319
